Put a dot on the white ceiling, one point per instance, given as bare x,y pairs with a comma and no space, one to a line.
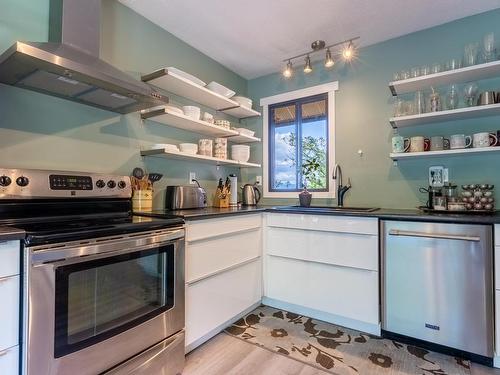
252,37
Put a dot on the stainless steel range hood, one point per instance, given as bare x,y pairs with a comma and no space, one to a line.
68,66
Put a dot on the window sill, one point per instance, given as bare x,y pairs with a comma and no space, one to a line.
295,194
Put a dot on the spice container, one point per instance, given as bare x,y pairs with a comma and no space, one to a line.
205,147
220,148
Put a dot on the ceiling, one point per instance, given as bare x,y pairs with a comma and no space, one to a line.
252,37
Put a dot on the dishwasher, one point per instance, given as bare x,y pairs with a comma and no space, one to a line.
437,286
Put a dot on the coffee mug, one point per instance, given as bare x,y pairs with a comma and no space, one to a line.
398,144
419,144
439,143
460,141
484,139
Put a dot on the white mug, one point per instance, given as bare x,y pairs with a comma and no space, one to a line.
484,139
460,141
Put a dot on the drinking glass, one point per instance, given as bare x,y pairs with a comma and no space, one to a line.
415,72
470,54
424,70
404,74
489,50
419,103
454,64
399,107
470,93
436,68
452,97
396,76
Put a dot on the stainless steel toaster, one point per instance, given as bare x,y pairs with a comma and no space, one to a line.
184,197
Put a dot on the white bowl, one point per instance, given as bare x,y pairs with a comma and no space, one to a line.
243,101
185,75
192,111
240,153
219,89
173,109
189,148
164,146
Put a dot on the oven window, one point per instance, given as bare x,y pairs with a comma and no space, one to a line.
101,298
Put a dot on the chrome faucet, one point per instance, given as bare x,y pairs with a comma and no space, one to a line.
341,190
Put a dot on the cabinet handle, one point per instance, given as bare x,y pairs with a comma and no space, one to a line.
4,352
406,233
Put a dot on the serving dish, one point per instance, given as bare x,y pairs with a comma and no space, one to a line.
187,76
220,89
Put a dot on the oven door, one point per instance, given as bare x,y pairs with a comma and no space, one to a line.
93,306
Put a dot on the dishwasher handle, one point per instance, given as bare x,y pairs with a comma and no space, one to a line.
407,233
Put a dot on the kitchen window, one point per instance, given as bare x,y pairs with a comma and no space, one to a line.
299,142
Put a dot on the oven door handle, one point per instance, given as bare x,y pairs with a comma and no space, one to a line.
113,246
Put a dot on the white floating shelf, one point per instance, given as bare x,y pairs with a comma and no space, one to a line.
242,138
174,83
443,116
469,73
444,153
185,156
184,122
241,112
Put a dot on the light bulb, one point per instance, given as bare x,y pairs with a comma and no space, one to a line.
329,62
308,68
348,52
288,71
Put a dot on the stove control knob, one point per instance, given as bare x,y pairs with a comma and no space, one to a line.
111,184
5,180
122,185
100,184
22,181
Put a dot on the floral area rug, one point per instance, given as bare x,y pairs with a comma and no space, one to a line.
339,350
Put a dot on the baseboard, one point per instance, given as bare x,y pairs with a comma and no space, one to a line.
373,329
193,345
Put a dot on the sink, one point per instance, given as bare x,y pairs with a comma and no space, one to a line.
338,209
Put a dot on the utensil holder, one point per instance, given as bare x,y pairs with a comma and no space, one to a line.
142,200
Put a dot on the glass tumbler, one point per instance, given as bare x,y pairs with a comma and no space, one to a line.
470,54
452,97
419,103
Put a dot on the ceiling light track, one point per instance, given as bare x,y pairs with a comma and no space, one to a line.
347,52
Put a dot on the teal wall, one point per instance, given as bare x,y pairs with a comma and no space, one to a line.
37,131
364,105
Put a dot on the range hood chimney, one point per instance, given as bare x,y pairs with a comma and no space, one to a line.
68,66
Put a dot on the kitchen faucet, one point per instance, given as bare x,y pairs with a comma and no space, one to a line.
341,190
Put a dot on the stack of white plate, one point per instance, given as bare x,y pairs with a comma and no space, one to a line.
189,148
165,146
244,102
240,153
219,89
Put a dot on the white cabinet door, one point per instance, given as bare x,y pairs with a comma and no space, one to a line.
9,312
211,255
342,291
212,302
9,361
10,255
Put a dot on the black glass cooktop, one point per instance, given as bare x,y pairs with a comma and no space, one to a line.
61,222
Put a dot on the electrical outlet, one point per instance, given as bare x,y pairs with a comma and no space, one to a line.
192,176
258,180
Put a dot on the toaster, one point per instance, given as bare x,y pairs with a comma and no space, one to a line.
184,197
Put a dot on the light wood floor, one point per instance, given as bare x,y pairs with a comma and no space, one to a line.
226,355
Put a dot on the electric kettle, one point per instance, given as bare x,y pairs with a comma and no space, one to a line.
251,195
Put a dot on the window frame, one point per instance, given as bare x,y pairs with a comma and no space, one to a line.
327,88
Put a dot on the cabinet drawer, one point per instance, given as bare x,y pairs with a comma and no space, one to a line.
214,301
343,249
346,292
10,254
9,361
215,254
347,224
9,312
201,229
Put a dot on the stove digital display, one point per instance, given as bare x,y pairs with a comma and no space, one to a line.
64,182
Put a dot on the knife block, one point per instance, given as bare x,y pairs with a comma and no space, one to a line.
221,202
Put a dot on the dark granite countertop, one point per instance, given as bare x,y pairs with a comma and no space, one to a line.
11,234
382,213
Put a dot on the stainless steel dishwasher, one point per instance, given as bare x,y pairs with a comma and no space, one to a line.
437,282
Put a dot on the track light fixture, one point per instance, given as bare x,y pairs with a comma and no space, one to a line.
345,49
308,68
288,72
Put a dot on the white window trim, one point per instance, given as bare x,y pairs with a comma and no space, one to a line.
328,88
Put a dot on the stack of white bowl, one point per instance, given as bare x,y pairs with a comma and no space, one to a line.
192,111
243,101
240,153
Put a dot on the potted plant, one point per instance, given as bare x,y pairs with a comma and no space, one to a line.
309,170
